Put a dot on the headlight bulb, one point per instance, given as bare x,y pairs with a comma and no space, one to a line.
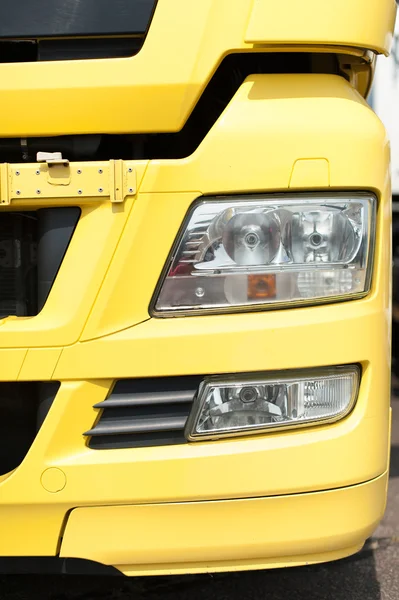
252,238
322,236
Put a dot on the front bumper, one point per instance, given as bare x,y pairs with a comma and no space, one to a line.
159,539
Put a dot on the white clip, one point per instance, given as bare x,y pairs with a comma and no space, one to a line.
51,158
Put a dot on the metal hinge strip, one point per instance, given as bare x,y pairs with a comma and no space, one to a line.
114,179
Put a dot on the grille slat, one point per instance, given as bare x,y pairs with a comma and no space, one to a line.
144,399
144,412
114,426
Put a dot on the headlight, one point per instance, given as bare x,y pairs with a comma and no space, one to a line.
251,404
262,251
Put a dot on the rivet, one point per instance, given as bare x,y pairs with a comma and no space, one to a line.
17,173
79,172
130,170
38,192
18,192
130,190
38,172
79,191
100,171
100,190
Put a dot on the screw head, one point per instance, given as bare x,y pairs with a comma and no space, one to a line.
17,173
79,191
130,190
130,170
79,172
18,192
100,171
38,192
100,190
37,172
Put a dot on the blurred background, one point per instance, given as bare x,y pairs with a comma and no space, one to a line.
384,99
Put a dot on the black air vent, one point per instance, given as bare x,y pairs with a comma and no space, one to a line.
144,412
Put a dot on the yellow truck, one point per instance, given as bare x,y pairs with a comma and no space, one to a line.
195,262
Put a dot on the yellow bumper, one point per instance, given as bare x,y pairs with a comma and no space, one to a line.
163,509
228,535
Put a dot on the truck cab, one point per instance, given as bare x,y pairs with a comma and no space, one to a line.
195,214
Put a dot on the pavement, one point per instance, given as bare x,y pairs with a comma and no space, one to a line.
372,574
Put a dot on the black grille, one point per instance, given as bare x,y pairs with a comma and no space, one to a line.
18,272
23,408
144,412
32,247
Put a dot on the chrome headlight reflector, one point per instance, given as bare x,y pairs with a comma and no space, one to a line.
236,405
270,250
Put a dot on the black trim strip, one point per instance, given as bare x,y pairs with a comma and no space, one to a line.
53,565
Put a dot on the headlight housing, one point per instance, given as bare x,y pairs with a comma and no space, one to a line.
262,251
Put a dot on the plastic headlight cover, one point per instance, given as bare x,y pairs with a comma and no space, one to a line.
260,251
237,406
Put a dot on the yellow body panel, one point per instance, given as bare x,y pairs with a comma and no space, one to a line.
150,510
157,89
293,110
360,23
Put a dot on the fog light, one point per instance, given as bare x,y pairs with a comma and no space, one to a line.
228,406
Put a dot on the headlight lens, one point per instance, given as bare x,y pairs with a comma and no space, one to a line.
261,251
236,406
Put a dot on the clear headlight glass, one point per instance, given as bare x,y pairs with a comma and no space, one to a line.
247,405
260,251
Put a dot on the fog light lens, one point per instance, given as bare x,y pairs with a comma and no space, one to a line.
227,407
